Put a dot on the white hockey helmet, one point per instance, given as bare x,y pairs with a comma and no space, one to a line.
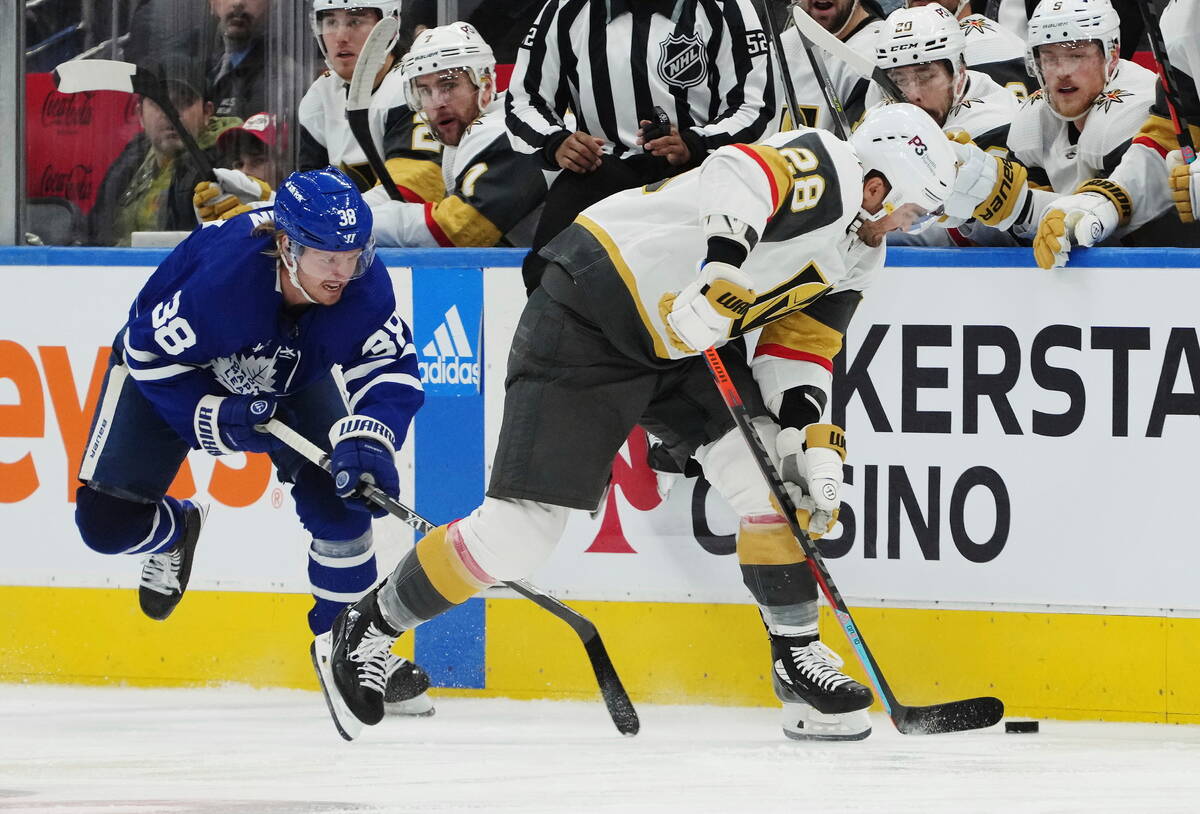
1056,21
386,8
905,145
445,48
914,36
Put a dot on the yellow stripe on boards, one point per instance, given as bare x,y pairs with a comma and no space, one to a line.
1043,665
99,636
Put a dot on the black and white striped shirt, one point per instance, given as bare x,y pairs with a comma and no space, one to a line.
611,61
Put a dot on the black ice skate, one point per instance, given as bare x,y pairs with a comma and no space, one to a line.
165,575
820,702
354,662
405,693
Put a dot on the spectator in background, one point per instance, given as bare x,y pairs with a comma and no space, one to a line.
227,38
612,62
237,78
149,186
248,148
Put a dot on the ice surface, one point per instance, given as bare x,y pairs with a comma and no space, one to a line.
240,750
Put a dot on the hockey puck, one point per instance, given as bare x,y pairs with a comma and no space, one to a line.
1020,727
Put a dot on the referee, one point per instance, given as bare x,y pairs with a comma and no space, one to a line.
702,63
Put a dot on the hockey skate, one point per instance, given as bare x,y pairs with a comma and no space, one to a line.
354,662
165,575
406,691
820,702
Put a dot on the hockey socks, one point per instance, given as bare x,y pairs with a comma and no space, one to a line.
436,575
339,574
774,570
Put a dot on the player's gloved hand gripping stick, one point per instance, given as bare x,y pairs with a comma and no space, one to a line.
954,716
620,708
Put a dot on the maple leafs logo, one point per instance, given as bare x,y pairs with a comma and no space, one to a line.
1108,98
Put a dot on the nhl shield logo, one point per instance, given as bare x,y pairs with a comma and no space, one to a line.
682,62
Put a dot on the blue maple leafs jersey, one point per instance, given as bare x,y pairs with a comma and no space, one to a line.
211,320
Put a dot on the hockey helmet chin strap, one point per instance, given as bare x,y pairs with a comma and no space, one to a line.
293,269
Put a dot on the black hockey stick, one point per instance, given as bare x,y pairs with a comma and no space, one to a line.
80,75
789,90
371,59
1170,81
620,708
864,66
954,716
841,126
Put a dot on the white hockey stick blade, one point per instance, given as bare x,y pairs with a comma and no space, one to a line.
818,36
370,62
94,74
348,726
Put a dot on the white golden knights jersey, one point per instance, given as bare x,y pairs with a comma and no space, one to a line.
997,52
798,191
490,188
1180,24
850,87
409,150
1061,157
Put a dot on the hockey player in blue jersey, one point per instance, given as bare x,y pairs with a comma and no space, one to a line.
240,323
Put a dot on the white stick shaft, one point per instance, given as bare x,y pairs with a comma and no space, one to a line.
297,442
817,35
370,62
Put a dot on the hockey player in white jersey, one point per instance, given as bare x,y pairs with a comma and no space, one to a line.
449,78
991,49
1180,25
411,153
1084,184
921,49
853,22
784,236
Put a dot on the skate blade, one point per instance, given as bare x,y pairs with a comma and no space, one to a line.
803,723
348,726
420,706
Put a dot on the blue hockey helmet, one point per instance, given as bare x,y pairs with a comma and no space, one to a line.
323,209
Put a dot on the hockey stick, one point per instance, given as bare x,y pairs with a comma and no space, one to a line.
863,66
789,90
954,716
620,708
841,126
81,75
1170,81
371,59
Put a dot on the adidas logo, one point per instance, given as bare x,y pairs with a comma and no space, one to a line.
449,354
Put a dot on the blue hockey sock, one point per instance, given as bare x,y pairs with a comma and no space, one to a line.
340,573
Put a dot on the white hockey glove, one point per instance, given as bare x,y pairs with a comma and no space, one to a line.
231,194
987,187
1185,185
811,468
1088,217
700,315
